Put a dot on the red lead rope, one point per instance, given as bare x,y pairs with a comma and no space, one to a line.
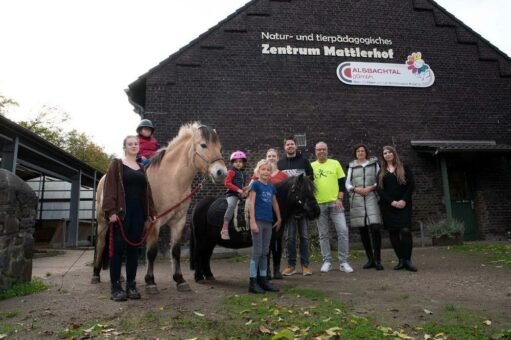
148,230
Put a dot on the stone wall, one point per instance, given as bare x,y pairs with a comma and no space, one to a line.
18,204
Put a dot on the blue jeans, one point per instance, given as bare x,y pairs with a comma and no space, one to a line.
292,226
337,217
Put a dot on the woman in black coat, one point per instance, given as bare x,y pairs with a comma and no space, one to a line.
395,187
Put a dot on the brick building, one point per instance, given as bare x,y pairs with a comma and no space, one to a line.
336,71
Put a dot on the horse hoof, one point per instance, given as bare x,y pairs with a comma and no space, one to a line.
210,278
151,289
183,287
201,281
95,279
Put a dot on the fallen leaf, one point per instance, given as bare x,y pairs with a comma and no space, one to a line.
427,311
265,300
487,322
90,330
253,304
427,336
327,319
264,330
102,297
294,328
306,313
3,336
338,311
198,314
249,322
110,330
333,331
245,311
440,335
76,325
283,334
161,308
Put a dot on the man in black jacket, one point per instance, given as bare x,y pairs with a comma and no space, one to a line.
293,165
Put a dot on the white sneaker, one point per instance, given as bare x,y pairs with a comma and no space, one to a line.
345,267
325,268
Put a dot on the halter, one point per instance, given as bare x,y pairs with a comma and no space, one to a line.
204,159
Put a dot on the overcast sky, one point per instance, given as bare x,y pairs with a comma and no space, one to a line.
81,55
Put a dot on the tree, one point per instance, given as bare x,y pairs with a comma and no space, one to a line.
48,124
5,103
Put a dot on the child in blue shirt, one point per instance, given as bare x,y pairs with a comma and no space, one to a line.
262,204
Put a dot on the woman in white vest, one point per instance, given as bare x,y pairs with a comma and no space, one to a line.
361,183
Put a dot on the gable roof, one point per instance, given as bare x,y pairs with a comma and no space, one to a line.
236,23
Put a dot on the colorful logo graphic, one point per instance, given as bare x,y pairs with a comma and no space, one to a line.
416,64
413,73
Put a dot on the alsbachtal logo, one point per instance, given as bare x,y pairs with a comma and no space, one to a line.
413,73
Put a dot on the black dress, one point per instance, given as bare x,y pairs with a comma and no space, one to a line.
395,219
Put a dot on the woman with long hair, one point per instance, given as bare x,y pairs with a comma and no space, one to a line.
395,187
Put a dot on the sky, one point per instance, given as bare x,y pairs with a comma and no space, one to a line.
81,55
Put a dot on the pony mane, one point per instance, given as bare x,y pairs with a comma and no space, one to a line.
306,184
185,131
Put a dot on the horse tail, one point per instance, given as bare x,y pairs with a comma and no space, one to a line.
199,230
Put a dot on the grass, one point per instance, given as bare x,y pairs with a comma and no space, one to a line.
21,289
461,323
292,313
499,254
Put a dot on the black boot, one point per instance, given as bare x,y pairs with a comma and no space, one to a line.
266,285
254,286
118,293
277,275
409,266
370,263
131,291
377,259
400,265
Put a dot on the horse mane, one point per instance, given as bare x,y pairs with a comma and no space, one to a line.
306,184
185,131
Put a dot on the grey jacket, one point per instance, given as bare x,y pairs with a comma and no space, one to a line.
364,210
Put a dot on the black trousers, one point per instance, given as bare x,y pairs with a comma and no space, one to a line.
134,228
402,243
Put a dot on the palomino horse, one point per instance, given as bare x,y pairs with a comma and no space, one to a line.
296,199
196,149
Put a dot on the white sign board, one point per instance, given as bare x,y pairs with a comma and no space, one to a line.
414,73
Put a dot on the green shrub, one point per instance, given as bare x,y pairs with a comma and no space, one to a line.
449,228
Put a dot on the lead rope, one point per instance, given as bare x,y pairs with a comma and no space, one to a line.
148,230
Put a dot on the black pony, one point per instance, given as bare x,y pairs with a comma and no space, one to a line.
296,198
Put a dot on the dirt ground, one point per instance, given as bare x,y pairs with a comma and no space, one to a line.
393,298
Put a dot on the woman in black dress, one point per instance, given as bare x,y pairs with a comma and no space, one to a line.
395,187
126,196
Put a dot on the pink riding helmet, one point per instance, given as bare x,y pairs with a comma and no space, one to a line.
238,155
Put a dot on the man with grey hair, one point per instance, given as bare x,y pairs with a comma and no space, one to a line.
329,180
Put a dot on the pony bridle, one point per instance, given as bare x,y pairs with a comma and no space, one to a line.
204,159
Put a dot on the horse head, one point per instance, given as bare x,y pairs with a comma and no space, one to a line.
297,197
207,153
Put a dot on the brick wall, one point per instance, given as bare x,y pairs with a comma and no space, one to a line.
254,100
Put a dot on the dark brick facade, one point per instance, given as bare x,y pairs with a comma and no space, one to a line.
254,100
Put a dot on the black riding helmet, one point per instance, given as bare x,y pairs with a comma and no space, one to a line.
145,123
